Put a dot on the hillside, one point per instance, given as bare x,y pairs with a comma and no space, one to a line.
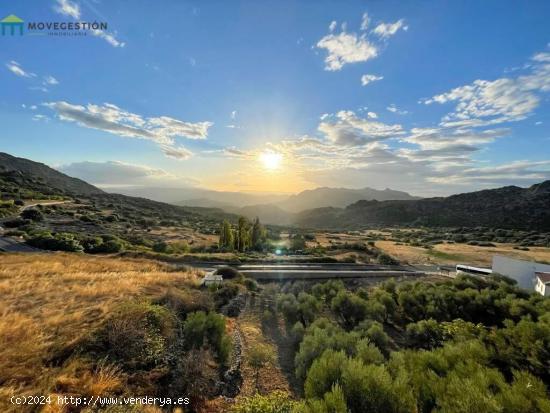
507,207
84,213
269,214
41,178
23,176
338,198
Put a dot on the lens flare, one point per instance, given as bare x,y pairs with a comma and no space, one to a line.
271,160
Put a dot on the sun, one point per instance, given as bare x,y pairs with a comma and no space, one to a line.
271,160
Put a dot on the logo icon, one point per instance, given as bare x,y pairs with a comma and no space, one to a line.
13,23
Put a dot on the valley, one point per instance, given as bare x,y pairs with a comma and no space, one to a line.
105,294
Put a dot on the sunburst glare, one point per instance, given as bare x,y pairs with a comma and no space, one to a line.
271,160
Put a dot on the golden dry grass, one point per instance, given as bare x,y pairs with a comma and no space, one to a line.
460,253
49,302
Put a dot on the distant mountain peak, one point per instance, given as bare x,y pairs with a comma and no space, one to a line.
339,197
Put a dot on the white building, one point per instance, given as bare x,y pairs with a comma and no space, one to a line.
543,283
521,271
212,279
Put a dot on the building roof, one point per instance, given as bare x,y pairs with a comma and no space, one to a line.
12,18
543,276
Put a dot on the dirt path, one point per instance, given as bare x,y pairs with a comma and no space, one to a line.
271,377
246,331
45,203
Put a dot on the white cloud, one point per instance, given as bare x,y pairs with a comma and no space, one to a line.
72,9
68,8
348,129
118,173
485,102
179,153
110,118
517,172
109,38
37,118
234,115
346,48
394,109
365,20
372,115
40,88
50,80
366,79
386,30
17,70
437,138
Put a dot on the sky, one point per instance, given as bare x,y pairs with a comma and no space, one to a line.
429,97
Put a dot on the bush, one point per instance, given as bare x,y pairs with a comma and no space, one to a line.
16,223
385,259
57,242
224,293
183,302
323,373
374,331
137,335
425,334
162,247
229,273
32,214
275,402
110,246
86,218
207,329
350,308
91,244
250,284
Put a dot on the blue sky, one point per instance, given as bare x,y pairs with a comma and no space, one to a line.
430,97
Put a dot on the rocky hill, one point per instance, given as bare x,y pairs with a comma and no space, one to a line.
507,207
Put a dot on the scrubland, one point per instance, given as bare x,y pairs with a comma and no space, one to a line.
55,312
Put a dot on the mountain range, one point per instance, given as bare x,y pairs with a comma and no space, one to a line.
507,207
270,208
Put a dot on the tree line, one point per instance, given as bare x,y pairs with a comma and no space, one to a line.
245,236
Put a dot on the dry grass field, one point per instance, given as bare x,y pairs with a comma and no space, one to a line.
49,302
459,253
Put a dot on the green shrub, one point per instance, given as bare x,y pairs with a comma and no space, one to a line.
250,284
110,246
274,402
58,242
15,223
425,334
32,214
162,247
200,329
350,308
385,259
229,273
224,293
